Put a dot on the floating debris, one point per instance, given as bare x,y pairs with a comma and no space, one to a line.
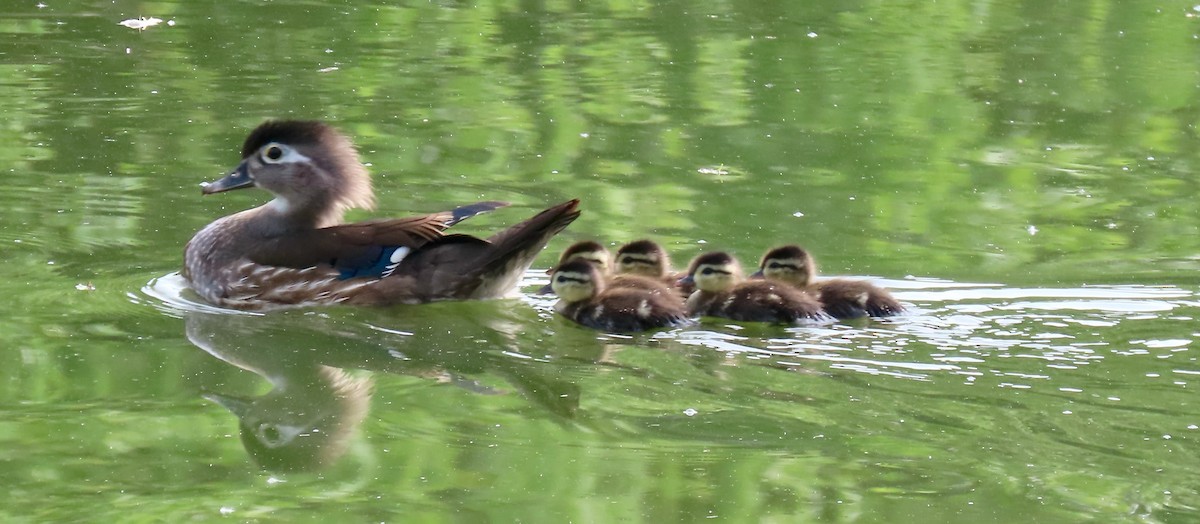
142,24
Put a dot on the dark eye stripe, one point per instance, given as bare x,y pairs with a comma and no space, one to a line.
781,265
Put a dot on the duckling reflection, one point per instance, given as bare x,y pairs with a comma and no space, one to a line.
319,396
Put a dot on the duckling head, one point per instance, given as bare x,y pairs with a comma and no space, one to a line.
642,257
714,272
312,170
588,250
790,264
576,280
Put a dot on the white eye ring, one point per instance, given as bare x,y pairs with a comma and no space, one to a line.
273,153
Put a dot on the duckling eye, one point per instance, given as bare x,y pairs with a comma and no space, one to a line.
707,271
774,265
561,279
273,153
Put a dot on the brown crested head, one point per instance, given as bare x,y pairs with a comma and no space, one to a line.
284,152
642,257
790,263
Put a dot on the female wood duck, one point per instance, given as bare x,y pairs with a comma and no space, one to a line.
295,250
627,304
721,292
842,297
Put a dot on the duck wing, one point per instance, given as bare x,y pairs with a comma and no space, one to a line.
363,249
462,266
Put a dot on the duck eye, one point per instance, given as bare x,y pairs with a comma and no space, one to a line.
270,434
707,271
774,265
273,153
561,279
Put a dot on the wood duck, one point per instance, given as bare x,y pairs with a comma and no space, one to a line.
295,249
722,292
843,298
647,258
623,305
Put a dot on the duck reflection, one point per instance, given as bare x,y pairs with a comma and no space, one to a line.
320,372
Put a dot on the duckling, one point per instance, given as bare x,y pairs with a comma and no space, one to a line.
628,304
843,298
589,250
296,250
721,292
647,258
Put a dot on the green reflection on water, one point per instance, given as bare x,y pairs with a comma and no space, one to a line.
1030,145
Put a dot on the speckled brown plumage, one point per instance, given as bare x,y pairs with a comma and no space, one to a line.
295,250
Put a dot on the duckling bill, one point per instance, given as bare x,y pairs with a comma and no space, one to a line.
296,249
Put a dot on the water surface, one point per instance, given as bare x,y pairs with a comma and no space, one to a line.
1020,174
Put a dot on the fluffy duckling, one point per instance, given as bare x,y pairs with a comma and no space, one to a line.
648,259
586,297
843,298
588,250
721,292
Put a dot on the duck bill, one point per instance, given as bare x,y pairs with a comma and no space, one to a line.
238,179
235,405
757,275
686,281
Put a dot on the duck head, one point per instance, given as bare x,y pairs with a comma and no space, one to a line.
713,272
642,257
576,280
312,170
789,264
588,250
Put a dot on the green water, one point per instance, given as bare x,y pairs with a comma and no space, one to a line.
1019,173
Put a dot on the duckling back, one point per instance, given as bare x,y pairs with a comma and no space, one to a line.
758,301
846,298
